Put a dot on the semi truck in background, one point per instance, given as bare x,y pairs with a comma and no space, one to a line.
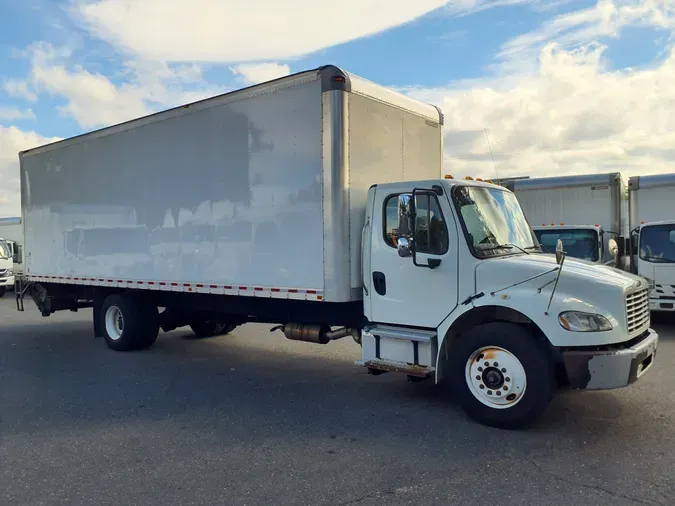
588,212
652,225
11,239
359,236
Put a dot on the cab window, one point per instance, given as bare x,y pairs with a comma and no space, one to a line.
431,233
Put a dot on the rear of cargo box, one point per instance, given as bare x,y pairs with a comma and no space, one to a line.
260,192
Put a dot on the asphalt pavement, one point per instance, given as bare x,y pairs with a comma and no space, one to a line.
252,418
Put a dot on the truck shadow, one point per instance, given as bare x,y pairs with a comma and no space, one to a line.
60,373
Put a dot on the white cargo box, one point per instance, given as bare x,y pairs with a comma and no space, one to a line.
259,192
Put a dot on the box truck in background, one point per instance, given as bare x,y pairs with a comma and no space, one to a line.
652,225
585,211
315,203
11,239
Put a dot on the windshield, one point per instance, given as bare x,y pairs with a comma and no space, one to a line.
580,243
657,244
5,253
493,221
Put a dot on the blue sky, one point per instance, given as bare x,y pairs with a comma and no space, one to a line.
560,86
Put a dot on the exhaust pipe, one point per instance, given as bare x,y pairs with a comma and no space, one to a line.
314,333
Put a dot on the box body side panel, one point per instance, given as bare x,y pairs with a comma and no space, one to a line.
229,195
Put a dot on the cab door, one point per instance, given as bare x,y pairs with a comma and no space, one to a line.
401,292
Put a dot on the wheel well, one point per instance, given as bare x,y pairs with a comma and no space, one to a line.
489,314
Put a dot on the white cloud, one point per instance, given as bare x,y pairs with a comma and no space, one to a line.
13,114
13,140
254,73
94,100
17,88
569,115
237,31
606,19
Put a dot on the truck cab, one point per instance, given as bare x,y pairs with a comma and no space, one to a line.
586,242
654,259
457,287
6,267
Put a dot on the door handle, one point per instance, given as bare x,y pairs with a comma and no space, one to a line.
379,282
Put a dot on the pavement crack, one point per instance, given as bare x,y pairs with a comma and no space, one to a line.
598,488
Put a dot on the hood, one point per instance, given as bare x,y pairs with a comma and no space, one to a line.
581,284
5,263
514,268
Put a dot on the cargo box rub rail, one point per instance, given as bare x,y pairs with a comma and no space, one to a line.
181,286
313,182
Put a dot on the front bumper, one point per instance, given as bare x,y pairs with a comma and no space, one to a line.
611,366
7,282
662,304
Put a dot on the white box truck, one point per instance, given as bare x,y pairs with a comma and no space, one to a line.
11,238
652,222
585,211
315,202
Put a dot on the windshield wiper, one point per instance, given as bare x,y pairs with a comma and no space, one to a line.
502,246
659,259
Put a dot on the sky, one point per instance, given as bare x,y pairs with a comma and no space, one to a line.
537,88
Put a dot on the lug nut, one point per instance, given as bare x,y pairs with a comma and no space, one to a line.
478,377
489,392
503,369
481,386
495,364
480,369
507,379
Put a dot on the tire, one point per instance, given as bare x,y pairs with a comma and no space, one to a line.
138,327
516,392
204,329
2,291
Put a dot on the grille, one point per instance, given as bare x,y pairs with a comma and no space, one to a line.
3,272
637,310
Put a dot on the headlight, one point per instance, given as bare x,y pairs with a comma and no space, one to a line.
577,321
10,272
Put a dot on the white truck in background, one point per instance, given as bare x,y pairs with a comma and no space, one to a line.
359,235
585,211
652,225
11,238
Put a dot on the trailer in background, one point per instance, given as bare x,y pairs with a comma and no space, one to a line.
585,211
11,237
652,225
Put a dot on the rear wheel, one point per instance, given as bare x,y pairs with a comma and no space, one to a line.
129,322
502,376
205,329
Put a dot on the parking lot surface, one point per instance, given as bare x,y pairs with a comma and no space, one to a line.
252,418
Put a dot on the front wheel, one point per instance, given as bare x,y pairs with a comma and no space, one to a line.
2,291
502,376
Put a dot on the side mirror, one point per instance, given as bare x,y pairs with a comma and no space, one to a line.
634,239
404,247
559,253
613,247
406,224
16,257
